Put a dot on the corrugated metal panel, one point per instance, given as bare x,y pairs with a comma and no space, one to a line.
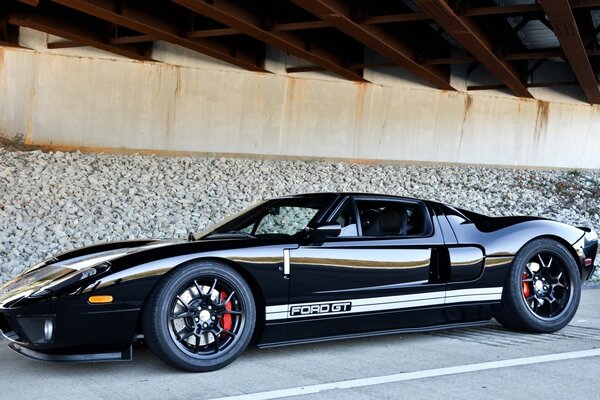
596,19
534,35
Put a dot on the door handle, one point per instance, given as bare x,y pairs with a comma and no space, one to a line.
286,262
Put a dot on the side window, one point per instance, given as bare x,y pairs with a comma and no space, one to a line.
346,217
393,218
286,220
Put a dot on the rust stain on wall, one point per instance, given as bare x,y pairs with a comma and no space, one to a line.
172,107
361,90
290,88
178,84
467,109
541,121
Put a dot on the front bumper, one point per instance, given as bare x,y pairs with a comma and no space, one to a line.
122,353
105,335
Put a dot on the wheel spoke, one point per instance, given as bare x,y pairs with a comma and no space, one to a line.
558,284
217,342
551,307
228,299
185,336
228,333
214,285
531,297
559,276
198,288
186,305
540,301
232,312
541,261
181,315
197,347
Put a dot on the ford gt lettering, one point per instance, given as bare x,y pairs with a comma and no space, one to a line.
320,309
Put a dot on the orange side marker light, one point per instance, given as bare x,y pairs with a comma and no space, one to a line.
103,299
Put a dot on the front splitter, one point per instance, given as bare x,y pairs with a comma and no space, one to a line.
123,355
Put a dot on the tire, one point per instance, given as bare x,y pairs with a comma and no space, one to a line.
200,317
542,290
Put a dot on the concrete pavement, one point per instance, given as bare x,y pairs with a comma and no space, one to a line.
260,371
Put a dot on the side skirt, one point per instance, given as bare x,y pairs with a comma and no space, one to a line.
376,333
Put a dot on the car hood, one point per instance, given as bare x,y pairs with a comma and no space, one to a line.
93,255
66,265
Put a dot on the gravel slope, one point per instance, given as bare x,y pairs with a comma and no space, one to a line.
55,201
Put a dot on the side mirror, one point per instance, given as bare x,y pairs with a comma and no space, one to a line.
319,232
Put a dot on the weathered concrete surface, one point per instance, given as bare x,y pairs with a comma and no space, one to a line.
260,370
88,101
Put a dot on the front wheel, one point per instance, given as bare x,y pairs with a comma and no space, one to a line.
200,317
542,290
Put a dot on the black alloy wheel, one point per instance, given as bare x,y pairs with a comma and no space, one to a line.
542,289
546,286
200,317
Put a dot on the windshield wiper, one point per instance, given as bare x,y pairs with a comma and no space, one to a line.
232,233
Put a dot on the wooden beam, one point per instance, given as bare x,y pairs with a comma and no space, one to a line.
312,68
145,21
64,44
72,31
131,39
565,28
520,9
234,15
204,33
502,10
470,37
337,13
297,26
32,3
394,18
308,68
371,20
530,55
584,3
530,85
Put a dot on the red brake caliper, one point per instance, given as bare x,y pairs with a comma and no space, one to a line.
226,319
526,290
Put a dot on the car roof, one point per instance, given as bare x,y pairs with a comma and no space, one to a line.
354,194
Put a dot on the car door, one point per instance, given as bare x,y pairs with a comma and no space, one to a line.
386,259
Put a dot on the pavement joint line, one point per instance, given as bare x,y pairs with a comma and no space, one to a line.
407,376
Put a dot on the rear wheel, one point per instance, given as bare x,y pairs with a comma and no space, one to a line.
200,317
542,290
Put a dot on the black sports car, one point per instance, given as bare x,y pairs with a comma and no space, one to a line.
297,269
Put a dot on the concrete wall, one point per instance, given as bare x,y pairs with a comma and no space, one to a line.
87,98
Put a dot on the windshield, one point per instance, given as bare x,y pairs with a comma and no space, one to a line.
272,218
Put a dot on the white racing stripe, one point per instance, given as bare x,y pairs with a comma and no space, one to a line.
408,376
386,303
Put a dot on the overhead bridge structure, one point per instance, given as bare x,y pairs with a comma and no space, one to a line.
531,54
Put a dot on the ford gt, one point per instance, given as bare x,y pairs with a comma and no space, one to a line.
299,269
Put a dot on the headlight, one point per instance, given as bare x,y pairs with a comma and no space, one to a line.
76,276
90,272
